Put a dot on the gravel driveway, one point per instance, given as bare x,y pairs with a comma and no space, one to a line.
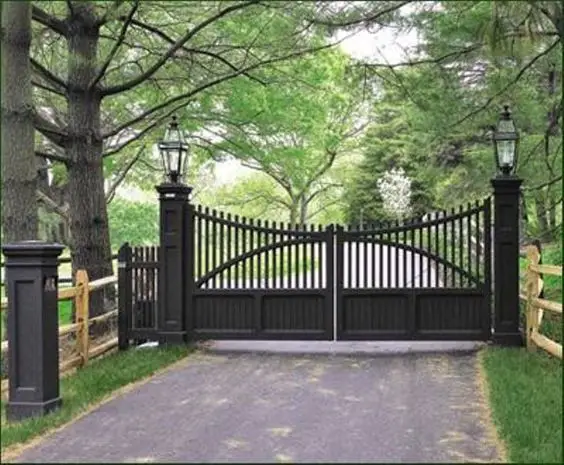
289,407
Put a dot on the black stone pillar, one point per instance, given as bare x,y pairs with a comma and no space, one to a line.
33,328
506,191
172,268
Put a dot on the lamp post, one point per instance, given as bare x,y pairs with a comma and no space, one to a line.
174,275
506,193
506,141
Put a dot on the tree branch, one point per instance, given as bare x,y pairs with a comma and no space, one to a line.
62,211
168,39
540,186
47,88
143,132
209,84
52,132
112,190
45,19
179,43
52,156
48,74
507,86
366,20
116,46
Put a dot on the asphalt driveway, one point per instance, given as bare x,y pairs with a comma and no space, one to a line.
274,407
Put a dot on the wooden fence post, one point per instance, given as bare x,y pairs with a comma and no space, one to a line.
82,315
533,286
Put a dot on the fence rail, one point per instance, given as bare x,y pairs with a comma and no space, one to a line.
80,293
536,306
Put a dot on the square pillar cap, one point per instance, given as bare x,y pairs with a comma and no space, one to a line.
506,181
32,248
173,190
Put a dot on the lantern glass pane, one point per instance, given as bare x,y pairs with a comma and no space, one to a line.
506,151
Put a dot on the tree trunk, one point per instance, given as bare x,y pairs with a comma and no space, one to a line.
19,165
89,230
303,210
540,208
294,211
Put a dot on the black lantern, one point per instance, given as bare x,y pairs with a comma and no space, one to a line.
174,152
506,140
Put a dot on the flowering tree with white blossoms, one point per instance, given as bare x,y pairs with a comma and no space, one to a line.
395,189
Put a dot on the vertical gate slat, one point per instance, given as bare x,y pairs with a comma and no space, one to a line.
310,257
266,256
236,265
135,294
412,230
221,251
283,284
404,253
396,253
275,240
453,249
437,251
206,246
445,249
260,242
373,255
154,259
245,275
198,243
469,241
429,250
229,251
320,250
461,245
289,258
252,257
366,243
214,247
357,240
305,257
380,258
478,247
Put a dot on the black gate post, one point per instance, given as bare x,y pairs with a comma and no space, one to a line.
33,328
125,298
506,191
172,267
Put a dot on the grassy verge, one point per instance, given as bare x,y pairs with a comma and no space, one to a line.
525,391
88,386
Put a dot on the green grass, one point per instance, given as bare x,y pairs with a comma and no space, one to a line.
525,391
88,386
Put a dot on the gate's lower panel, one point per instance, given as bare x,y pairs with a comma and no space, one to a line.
261,314
421,314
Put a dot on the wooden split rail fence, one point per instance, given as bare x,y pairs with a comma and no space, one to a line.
80,293
536,306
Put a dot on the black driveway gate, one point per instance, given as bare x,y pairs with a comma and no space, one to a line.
429,279
423,279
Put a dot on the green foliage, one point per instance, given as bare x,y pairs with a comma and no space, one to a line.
133,222
434,119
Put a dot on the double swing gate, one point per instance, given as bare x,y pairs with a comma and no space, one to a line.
428,278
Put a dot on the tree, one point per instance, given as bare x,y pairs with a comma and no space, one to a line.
107,74
395,190
294,131
19,166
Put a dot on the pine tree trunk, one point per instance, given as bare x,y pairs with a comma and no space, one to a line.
19,166
87,207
